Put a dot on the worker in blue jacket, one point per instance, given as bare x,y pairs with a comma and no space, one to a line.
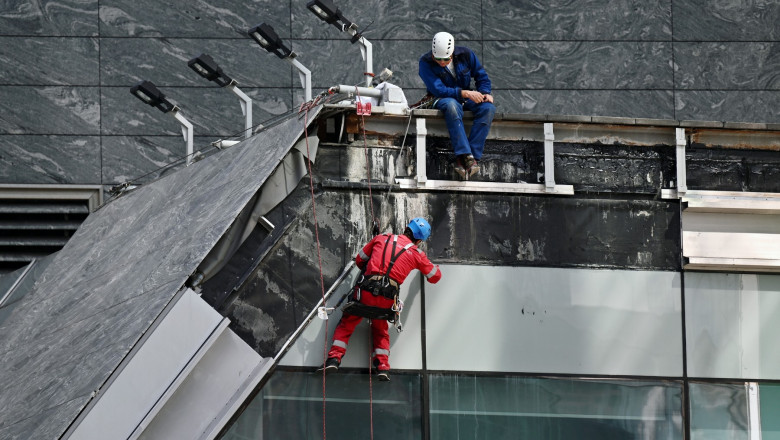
447,71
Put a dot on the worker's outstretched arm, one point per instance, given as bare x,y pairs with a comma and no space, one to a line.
431,272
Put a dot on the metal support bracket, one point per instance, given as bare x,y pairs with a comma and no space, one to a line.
549,157
421,182
366,51
682,186
305,75
246,108
422,132
186,131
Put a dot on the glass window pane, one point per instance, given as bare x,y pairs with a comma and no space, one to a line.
731,325
495,408
718,411
770,408
573,321
289,406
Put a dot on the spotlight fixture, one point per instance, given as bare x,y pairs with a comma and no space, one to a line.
326,11
147,92
266,37
206,67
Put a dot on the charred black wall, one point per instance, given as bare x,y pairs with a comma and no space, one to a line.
280,284
615,220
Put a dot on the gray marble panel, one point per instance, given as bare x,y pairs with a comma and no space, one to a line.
212,111
88,352
50,159
394,19
141,159
45,425
104,288
730,20
126,61
49,110
624,20
198,19
579,65
730,66
49,61
731,106
331,62
50,17
656,104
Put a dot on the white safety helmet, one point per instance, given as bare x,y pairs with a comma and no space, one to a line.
443,45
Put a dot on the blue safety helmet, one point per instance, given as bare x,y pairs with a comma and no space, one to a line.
421,230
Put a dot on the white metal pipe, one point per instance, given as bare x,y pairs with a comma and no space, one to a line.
356,90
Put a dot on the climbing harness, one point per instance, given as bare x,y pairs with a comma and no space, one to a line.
378,285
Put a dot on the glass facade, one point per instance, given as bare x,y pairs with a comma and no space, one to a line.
495,408
290,406
591,354
727,412
719,411
732,325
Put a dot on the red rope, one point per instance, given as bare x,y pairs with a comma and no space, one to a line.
371,200
365,153
306,107
370,381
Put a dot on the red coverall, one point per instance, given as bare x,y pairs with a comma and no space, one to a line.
370,259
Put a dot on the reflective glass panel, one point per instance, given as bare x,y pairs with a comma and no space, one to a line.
290,407
496,408
555,321
731,325
769,395
719,411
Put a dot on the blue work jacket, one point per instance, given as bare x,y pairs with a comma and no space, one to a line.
440,82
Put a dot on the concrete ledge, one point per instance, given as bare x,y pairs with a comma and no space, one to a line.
584,119
701,124
571,118
744,125
657,122
521,117
613,120
478,186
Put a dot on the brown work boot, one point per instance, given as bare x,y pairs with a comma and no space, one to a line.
471,166
460,168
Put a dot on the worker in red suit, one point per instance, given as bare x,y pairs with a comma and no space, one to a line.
386,262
